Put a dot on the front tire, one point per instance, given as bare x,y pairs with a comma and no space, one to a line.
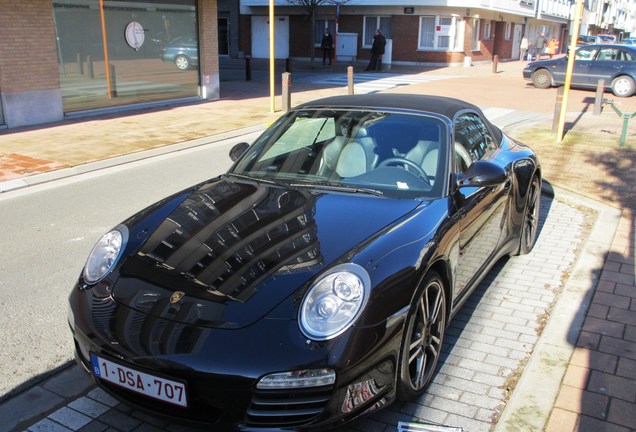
423,337
541,78
182,62
623,86
530,227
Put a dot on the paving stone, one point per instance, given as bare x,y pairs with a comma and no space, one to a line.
101,396
591,424
467,424
626,368
604,327
26,406
70,418
119,420
47,425
581,401
561,420
618,347
70,383
622,413
89,407
94,426
425,413
612,385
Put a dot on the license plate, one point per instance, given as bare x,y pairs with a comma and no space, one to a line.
150,385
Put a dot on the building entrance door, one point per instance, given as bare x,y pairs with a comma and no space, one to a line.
516,41
224,40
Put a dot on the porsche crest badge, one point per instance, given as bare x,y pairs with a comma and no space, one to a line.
176,296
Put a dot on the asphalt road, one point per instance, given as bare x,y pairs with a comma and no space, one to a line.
47,232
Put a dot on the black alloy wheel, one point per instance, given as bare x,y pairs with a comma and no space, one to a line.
530,226
423,337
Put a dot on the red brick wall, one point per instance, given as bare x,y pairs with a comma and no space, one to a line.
28,53
208,37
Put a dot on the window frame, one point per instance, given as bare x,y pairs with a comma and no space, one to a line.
327,23
487,30
476,39
454,34
378,19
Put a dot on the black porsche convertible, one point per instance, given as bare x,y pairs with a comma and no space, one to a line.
313,282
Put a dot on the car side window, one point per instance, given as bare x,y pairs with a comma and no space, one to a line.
472,141
608,54
585,53
626,56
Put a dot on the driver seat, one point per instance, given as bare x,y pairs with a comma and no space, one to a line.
425,154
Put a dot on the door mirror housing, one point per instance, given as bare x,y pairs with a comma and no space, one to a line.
238,150
482,174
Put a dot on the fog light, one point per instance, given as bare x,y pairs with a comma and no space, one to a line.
298,379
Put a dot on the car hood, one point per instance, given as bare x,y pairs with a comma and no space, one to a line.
229,251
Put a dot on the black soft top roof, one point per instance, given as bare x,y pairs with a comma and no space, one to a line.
447,107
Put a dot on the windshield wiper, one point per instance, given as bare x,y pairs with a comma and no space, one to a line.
338,188
260,180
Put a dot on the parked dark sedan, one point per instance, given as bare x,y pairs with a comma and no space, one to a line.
313,282
183,51
616,64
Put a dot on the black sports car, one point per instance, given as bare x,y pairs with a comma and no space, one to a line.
313,282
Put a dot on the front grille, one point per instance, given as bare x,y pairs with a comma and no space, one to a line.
287,407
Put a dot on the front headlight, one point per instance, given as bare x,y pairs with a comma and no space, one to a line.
105,254
334,301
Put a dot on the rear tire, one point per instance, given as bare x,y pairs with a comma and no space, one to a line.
541,78
623,86
422,338
530,227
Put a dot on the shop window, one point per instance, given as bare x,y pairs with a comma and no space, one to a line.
371,24
127,52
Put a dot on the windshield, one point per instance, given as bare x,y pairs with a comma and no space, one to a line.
385,153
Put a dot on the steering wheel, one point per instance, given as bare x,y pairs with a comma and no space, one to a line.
408,165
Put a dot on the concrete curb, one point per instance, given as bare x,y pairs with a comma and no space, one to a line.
533,398
24,182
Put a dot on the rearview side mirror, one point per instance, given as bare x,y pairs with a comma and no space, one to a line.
482,174
238,150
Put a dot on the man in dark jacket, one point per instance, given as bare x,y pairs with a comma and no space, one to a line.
327,46
377,51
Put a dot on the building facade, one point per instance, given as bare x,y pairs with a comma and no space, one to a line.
67,57
419,32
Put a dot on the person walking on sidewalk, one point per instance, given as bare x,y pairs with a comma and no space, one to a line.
539,45
327,46
377,51
552,47
523,48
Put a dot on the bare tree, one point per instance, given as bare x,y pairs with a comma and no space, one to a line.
311,7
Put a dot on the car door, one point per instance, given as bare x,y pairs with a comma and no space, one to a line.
583,61
480,210
606,65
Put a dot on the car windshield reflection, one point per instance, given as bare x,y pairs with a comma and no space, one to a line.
378,152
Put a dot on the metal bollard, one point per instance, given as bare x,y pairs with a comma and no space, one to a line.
350,80
495,61
598,99
248,68
80,64
286,91
90,71
557,109
113,81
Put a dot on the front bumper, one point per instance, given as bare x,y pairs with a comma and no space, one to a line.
221,373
